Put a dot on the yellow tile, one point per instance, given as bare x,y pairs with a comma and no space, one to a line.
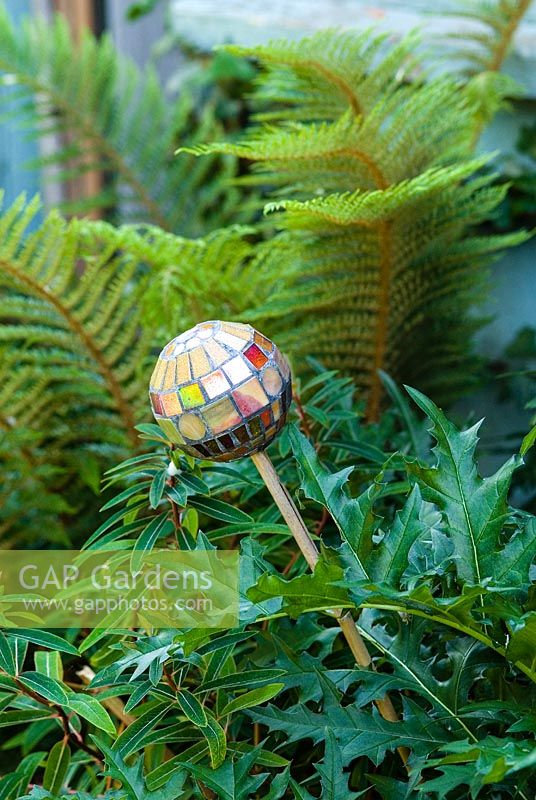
199,361
183,369
169,380
237,329
158,374
192,426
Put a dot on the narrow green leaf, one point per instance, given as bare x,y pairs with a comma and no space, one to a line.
219,510
46,687
216,740
157,488
7,659
8,718
256,677
192,708
88,707
47,639
253,698
56,767
49,663
528,442
130,739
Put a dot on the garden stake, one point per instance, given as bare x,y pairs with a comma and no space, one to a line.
221,391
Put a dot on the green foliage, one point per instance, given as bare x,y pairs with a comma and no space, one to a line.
276,708
373,171
80,320
116,121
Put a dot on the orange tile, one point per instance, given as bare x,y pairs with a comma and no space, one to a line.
171,403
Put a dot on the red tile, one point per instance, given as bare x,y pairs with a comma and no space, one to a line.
255,356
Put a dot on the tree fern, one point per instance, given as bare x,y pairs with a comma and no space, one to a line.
378,255
83,306
114,119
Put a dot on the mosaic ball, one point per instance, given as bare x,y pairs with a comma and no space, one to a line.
221,391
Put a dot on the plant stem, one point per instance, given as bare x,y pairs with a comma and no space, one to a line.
303,539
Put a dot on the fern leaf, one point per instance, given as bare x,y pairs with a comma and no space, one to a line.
377,196
116,120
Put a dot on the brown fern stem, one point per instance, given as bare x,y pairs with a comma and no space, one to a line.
503,44
499,51
351,152
339,82
107,373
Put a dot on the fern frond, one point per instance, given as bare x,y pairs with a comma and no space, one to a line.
379,197
497,22
71,315
115,120
319,77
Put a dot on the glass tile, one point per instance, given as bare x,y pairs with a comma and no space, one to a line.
263,342
250,397
232,341
158,374
179,348
212,446
169,348
255,428
199,362
193,342
215,384
226,442
183,369
216,353
241,433
256,356
157,404
204,452
191,396
266,418
282,363
171,404
221,416
271,381
276,409
236,329
270,432
169,379
192,426
205,331
237,370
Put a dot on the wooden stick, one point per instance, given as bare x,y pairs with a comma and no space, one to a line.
297,526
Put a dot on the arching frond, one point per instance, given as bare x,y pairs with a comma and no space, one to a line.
380,196
116,120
